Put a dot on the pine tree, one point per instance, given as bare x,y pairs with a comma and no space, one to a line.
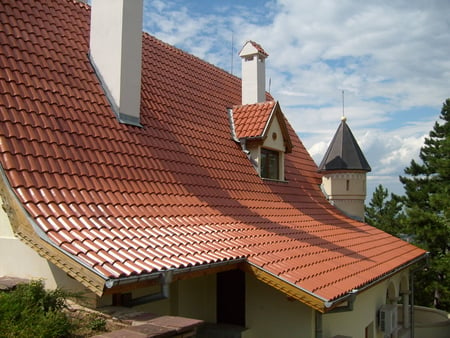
383,213
427,205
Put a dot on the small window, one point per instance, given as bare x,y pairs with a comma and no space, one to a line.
270,164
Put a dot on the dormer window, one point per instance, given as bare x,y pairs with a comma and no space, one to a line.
262,132
270,164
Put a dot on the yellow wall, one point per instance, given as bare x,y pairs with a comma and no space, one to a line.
364,312
335,184
278,142
19,260
270,313
347,191
197,298
193,298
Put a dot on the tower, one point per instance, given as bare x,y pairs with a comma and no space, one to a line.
344,170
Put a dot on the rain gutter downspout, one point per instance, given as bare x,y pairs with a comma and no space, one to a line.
164,293
319,325
165,278
411,284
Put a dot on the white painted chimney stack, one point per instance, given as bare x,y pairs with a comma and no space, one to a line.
116,52
253,73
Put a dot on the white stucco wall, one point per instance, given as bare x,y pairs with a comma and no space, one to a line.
116,50
272,143
253,75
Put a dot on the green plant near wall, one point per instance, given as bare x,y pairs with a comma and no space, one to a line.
32,311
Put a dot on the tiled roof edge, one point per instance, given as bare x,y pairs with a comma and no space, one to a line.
12,203
334,302
305,296
270,119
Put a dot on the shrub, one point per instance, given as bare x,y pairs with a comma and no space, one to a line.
32,311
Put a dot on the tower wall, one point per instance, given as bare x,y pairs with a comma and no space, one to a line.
346,191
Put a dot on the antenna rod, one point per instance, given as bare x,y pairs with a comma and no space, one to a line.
343,113
232,52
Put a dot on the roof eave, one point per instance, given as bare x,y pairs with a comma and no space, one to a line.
294,291
25,228
313,300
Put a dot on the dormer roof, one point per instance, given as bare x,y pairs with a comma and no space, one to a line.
344,153
252,121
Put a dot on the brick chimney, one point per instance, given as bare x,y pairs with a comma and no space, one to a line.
253,73
116,52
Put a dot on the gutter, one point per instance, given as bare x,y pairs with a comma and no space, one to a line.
352,294
165,278
164,293
113,282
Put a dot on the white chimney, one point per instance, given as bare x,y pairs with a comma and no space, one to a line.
116,52
253,73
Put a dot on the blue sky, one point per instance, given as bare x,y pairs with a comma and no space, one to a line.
390,57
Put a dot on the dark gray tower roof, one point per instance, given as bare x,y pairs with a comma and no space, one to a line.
344,152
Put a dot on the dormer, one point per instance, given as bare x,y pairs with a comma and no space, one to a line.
263,134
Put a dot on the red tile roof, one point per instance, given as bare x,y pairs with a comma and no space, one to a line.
177,192
250,120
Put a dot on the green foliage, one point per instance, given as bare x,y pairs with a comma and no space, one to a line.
96,323
427,206
32,311
383,213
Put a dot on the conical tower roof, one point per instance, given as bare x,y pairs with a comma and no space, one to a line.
344,152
